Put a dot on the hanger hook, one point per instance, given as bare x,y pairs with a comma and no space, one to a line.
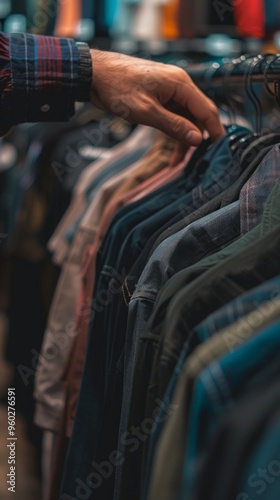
209,74
233,64
229,66
251,93
276,93
267,67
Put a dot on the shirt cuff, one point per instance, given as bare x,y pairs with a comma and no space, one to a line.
48,75
84,73
44,78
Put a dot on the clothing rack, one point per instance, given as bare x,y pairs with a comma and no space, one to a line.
213,45
262,68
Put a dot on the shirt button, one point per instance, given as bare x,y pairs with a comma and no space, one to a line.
45,108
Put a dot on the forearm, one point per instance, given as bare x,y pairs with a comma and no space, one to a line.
41,78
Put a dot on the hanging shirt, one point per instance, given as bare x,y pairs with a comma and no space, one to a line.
42,21
69,16
148,20
170,26
110,12
250,18
124,18
272,14
86,26
185,18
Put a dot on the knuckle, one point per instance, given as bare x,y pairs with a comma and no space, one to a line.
147,105
177,72
181,73
177,128
143,109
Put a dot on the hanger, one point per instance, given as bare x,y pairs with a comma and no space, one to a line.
236,136
275,92
267,67
240,147
208,76
262,141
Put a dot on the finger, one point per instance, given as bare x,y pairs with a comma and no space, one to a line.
173,125
202,108
178,110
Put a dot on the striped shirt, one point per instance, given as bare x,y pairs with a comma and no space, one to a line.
41,78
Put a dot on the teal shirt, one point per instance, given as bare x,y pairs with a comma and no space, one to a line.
266,455
216,390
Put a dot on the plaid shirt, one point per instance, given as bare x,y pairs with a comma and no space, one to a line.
41,78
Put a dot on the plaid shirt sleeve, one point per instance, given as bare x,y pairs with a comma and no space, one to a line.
41,78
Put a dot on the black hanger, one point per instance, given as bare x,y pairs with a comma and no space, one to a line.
236,136
267,140
241,146
267,67
275,94
228,103
257,146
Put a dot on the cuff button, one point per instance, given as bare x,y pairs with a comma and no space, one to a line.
45,108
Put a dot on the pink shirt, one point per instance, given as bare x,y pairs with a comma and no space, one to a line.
73,373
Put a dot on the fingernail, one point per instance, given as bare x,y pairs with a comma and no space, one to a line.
193,137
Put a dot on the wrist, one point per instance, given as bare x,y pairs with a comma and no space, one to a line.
98,65
105,67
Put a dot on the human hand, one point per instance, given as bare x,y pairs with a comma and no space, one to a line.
159,95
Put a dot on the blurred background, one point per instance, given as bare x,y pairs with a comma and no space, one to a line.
120,24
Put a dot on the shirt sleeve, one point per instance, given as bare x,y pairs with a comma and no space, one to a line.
41,78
